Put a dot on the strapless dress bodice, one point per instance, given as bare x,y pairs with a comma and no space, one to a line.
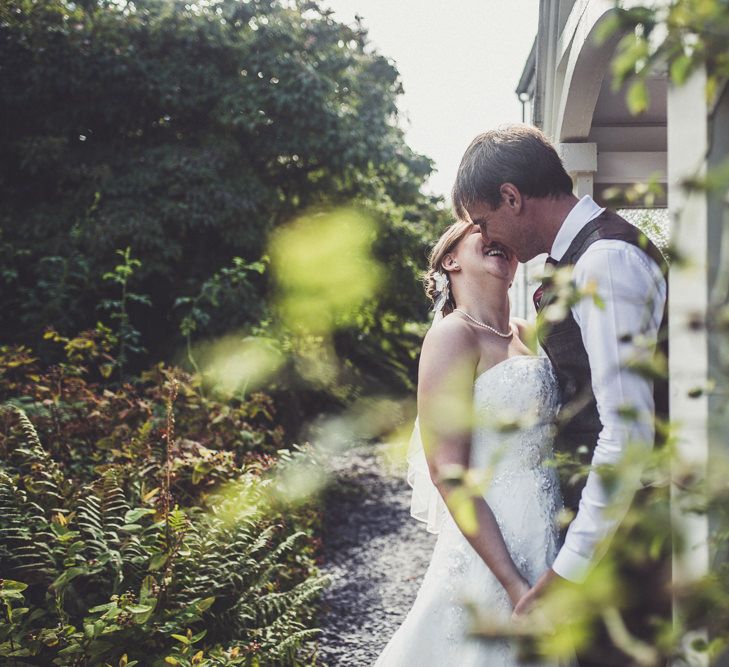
515,407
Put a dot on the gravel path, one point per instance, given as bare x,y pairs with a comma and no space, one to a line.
375,554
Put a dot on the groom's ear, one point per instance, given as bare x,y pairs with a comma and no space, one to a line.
510,196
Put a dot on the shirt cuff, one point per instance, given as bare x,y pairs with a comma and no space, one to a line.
571,565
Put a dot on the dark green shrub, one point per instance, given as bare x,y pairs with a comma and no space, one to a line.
150,530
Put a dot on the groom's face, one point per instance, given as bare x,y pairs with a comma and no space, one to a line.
498,225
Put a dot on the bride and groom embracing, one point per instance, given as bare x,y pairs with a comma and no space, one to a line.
491,414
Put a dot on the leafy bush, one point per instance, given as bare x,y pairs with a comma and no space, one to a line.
188,132
149,531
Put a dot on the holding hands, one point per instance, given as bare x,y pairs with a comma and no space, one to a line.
527,602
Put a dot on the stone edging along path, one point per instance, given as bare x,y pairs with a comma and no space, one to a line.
375,554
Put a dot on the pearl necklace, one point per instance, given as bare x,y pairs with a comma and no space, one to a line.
483,324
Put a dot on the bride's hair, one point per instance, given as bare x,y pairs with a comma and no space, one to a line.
450,238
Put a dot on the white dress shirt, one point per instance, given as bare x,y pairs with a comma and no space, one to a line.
634,293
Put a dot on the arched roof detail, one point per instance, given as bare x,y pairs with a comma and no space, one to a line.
583,64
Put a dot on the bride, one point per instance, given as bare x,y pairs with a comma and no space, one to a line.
486,407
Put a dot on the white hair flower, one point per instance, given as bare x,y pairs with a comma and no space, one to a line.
442,290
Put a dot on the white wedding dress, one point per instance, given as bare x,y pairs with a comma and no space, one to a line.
524,496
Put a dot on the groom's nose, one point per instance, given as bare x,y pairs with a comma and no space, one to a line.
484,233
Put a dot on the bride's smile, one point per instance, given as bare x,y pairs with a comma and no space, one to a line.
495,252
469,255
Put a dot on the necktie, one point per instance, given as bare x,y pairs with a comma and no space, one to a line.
540,290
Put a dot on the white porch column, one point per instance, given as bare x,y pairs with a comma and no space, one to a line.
580,161
688,302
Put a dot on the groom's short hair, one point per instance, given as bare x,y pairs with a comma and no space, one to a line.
518,154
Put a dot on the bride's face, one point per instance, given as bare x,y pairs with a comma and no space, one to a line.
478,259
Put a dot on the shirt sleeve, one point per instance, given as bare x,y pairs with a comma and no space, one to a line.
634,292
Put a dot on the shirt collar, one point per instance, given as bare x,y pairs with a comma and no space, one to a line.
583,211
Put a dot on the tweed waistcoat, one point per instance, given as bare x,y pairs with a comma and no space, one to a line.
562,341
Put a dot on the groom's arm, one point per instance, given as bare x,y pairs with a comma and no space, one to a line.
634,293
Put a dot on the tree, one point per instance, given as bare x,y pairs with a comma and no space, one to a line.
188,132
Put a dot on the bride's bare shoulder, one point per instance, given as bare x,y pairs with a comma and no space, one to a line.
449,343
451,333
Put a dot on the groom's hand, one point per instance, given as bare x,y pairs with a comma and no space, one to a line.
525,605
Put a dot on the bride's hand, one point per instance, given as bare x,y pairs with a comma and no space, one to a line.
517,591
525,606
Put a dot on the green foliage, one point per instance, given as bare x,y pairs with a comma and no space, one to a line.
682,35
221,295
127,334
119,544
87,425
189,133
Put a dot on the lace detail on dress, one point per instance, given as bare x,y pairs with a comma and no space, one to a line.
516,409
457,566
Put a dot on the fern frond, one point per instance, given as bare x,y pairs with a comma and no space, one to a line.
31,435
272,561
286,650
114,506
25,534
41,476
268,609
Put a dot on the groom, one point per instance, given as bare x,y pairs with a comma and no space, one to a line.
511,182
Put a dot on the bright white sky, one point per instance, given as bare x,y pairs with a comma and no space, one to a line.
459,60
